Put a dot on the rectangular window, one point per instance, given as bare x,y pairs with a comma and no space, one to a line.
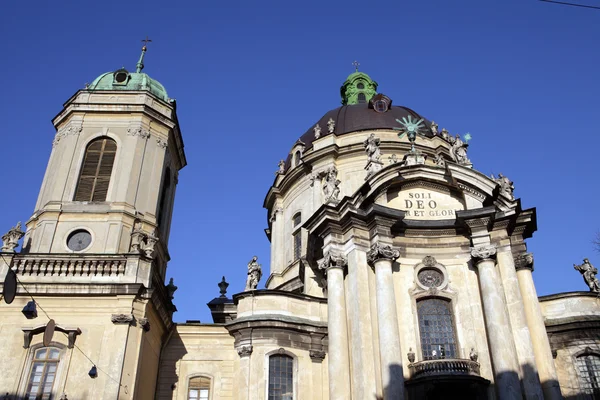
297,245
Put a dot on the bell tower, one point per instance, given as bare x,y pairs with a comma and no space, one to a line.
95,250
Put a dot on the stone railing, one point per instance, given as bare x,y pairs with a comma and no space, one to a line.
447,366
69,265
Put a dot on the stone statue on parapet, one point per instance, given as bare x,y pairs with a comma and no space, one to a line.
10,240
254,274
459,150
589,275
506,186
434,128
372,148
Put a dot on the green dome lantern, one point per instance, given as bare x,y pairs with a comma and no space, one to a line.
358,88
122,79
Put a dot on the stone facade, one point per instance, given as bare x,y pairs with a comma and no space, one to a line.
406,281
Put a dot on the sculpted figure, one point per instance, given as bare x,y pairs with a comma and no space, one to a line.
11,238
254,274
281,166
317,131
446,136
434,128
589,275
330,125
137,237
331,185
459,150
372,148
506,186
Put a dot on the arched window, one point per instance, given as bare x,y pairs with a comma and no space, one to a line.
199,388
588,366
297,236
281,377
164,198
436,327
42,374
360,85
96,170
362,98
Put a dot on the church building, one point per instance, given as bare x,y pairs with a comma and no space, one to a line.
397,270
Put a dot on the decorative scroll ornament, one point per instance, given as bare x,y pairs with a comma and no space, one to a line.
317,131
430,261
161,143
506,186
440,161
138,131
331,125
244,351
254,274
589,275
484,252
10,240
393,159
333,260
317,355
121,318
331,184
379,251
145,324
524,261
72,130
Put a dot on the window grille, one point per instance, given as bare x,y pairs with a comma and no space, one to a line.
281,377
96,170
589,374
436,327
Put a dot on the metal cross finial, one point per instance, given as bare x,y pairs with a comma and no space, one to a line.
145,42
356,64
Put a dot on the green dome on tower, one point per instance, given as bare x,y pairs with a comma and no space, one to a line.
358,88
122,79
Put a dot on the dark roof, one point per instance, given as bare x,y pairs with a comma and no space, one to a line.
358,117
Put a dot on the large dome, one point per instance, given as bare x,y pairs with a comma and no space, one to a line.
359,117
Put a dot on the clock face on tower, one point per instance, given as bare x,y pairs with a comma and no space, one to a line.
79,240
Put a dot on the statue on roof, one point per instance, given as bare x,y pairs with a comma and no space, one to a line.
372,148
331,184
589,275
434,128
331,125
459,150
317,131
506,186
254,274
10,240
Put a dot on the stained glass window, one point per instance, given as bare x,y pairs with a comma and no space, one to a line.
281,377
43,374
199,388
438,339
589,374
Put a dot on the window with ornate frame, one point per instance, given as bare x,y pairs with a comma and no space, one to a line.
199,388
362,98
588,368
42,373
436,328
281,377
96,170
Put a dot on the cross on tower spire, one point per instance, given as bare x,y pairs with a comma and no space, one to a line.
140,64
356,64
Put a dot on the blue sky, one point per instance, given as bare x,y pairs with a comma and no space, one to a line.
251,77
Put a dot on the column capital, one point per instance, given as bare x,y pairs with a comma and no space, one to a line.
333,260
524,261
381,251
484,252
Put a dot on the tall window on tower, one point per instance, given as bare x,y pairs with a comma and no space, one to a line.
42,374
297,236
94,177
436,327
362,98
164,198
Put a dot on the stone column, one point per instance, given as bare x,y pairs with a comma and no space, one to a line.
502,347
244,351
518,322
535,321
381,258
338,359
